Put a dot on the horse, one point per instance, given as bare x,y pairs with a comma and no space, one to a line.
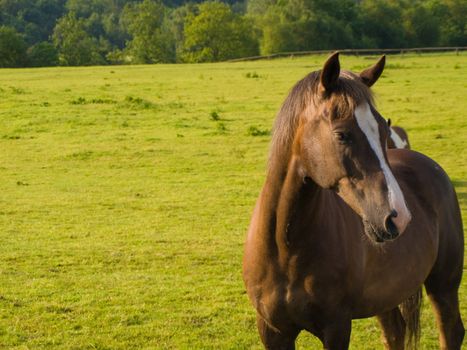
345,229
398,137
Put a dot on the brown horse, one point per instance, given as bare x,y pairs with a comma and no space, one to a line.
322,249
398,137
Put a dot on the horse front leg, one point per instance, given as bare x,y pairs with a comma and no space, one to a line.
274,339
393,325
336,334
451,328
442,288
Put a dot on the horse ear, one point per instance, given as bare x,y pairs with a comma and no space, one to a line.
389,122
330,72
370,76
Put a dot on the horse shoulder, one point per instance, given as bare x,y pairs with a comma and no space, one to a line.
421,175
436,192
310,278
432,199
260,271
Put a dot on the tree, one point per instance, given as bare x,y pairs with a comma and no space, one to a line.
102,18
277,33
216,34
452,15
380,24
177,20
421,27
12,48
149,31
43,54
76,47
298,25
33,18
151,39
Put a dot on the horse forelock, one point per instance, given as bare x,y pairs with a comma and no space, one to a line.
346,96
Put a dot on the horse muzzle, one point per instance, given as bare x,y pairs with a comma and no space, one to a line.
388,231
392,231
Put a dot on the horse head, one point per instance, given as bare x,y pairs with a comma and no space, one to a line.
341,143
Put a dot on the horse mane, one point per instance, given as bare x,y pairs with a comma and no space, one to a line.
349,92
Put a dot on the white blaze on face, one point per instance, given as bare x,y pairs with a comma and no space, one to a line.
398,142
369,126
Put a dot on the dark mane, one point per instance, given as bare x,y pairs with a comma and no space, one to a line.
349,92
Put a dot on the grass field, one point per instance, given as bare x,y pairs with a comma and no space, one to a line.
125,194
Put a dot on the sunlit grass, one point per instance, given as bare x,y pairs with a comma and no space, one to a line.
125,194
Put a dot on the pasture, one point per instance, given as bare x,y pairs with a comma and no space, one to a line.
126,192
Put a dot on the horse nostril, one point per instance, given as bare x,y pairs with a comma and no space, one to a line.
389,225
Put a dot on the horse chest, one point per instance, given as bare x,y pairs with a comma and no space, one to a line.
305,301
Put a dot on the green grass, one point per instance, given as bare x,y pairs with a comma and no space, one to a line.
126,192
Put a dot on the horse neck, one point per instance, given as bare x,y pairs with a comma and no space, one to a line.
284,192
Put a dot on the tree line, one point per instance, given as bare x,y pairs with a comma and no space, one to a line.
95,32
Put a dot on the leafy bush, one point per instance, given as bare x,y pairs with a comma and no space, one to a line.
12,48
216,34
43,54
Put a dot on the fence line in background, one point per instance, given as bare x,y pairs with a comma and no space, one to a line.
353,52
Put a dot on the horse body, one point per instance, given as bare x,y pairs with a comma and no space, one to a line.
351,266
308,264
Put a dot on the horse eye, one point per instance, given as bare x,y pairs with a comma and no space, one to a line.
345,138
